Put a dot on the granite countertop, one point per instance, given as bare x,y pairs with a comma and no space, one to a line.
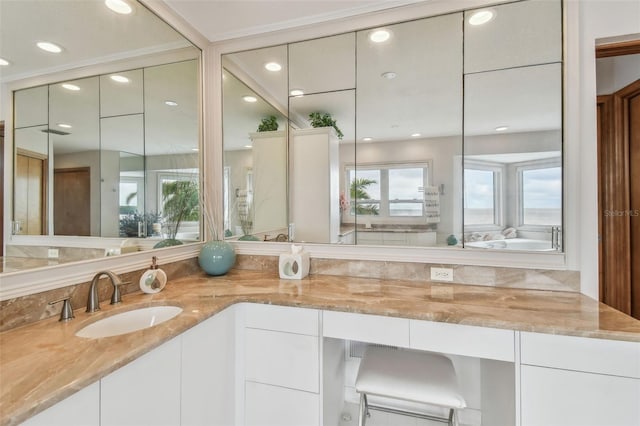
44,362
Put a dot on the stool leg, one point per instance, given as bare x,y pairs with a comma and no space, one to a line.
452,418
362,416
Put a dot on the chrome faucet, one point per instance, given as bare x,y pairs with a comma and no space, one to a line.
555,237
93,303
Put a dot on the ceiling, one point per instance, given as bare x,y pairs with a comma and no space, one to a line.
221,20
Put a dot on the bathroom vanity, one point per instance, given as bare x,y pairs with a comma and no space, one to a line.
249,347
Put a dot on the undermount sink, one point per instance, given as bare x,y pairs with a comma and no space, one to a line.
129,321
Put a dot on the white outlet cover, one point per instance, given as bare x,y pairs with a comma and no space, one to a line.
442,274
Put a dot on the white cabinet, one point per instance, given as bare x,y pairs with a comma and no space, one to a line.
314,185
281,366
80,409
366,328
389,238
144,392
577,381
208,372
267,405
553,397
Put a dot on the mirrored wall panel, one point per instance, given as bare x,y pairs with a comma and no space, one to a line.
384,147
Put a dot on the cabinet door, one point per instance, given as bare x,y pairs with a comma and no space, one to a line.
80,409
554,397
208,367
267,405
145,392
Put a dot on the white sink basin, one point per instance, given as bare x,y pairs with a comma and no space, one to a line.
129,321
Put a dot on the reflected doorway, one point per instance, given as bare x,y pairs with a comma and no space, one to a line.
618,117
72,201
30,184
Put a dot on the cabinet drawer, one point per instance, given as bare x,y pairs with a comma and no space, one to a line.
282,318
366,328
275,406
466,340
581,354
283,359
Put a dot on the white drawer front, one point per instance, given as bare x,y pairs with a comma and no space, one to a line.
366,328
581,354
274,406
466,340
282,318
284,359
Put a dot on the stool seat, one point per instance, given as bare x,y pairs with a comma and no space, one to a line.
409,376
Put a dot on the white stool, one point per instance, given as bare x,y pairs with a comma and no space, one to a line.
401,381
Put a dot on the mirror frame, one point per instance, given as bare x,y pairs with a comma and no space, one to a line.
22,283
566,260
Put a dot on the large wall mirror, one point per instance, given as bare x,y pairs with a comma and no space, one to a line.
113,156
444,131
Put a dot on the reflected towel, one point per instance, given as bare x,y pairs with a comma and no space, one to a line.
432,204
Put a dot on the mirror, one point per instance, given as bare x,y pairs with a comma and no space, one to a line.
104,156
420,163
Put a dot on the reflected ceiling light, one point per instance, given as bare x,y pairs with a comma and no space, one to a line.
49,47
367,139
195,149
273,66
119,6
501,128
379,36
248,146
481,17
250,99
171,103
296,92
415,135
64,125
389,75
119,78
70,86
4,62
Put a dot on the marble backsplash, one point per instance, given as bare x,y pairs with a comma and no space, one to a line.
26,309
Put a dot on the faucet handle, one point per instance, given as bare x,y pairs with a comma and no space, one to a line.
66,313
116,297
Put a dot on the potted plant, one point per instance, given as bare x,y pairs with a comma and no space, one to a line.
181,203
318,119
268,124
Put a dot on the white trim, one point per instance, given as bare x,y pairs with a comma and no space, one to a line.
63,275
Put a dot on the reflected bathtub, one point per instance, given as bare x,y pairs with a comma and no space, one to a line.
513,244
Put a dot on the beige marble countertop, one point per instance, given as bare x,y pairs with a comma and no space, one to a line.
44,362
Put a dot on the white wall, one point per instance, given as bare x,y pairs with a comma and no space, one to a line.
597,19
616,72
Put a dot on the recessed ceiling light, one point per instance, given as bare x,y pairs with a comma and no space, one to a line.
481,17
415,135
49,47
248,146
171,103
379,36
273,66
195,149
296,92
4,62
389,75
119,6
64,125
367,139
250,99
501,128
70,86
119,78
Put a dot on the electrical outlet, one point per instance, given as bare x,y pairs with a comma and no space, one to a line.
441,274
53,253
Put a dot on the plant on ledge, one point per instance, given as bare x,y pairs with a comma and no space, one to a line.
181,203
268,124
324,120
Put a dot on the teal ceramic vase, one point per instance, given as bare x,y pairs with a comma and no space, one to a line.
217,257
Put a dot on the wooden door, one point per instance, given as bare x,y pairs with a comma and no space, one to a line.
619,198
30,189
72,201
